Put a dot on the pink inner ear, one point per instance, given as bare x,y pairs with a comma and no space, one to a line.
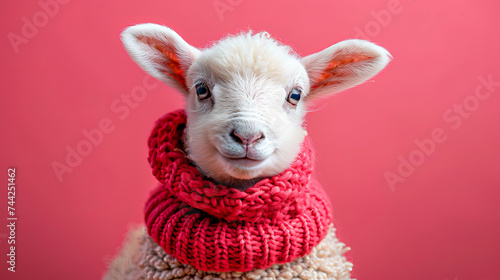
335,69
171,61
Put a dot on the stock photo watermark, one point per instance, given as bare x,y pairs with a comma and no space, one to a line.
453,118
223,6
31,25
380,19
11,219
121,108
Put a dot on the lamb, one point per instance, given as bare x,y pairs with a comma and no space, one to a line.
246,98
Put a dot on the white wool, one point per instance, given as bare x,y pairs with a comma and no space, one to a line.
250,77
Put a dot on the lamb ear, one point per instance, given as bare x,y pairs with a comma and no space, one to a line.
160,52
344,65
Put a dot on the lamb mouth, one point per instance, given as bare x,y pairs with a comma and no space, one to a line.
243,162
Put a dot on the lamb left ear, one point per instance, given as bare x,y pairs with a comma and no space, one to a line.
344,65
161,52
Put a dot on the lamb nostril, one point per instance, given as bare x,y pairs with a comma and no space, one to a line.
255,138
245,141
237,137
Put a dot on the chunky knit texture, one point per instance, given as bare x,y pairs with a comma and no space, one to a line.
216,228
141,258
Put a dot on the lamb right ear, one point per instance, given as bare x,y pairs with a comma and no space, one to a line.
160,52
344,65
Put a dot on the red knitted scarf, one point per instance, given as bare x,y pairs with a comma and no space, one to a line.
218,228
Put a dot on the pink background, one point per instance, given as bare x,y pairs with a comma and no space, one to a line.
441,222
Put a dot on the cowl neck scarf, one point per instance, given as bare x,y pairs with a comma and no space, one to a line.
217,228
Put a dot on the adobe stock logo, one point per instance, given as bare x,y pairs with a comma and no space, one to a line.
121,108
454,118
381,19
31,26
223,6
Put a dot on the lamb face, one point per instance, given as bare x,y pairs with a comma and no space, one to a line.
248,122
246,96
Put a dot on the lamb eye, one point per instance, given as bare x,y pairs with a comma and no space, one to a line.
202,91
294,96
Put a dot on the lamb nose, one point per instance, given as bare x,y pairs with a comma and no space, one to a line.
244,140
